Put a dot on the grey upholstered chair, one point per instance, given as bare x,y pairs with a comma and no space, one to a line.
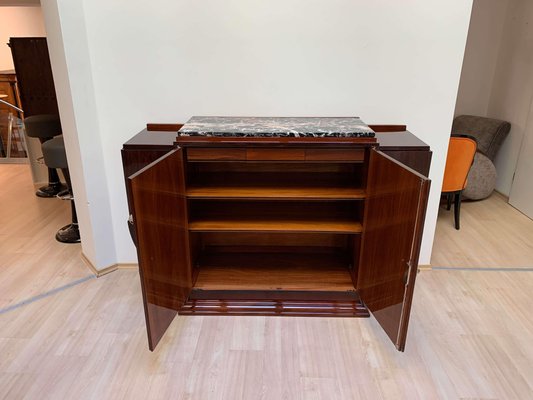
489,134
45,127
55,156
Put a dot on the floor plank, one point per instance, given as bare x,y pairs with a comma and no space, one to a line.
464,342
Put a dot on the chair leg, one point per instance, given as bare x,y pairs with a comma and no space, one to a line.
69,233
54,184
448,201
457,208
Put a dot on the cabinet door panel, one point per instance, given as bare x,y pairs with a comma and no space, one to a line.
160,217
392,231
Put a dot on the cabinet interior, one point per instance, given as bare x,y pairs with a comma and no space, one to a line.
275,225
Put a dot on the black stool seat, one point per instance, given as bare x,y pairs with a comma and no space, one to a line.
55,156
43,126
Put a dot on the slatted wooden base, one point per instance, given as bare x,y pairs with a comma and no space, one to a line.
274,303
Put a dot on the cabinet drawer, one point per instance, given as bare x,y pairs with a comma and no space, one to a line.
216,154
334,155
275,154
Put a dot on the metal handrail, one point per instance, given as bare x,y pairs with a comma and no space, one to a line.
11,105
10,129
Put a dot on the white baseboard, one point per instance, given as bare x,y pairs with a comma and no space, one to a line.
109,269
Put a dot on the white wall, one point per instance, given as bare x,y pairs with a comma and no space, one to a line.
72,70
512,89
164,61
481,56
18,22
497,75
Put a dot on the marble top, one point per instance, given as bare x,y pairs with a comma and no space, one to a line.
347,127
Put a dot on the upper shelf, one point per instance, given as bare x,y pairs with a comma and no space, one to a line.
275,225
308,192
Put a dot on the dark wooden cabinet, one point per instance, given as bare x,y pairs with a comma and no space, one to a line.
34,75
306,227
9,93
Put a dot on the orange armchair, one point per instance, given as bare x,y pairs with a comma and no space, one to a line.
461,151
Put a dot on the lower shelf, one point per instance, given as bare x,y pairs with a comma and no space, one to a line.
274,271
274,303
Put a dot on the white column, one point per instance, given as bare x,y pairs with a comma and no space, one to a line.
71,66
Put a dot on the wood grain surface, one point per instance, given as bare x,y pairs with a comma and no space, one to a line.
274,271
160,218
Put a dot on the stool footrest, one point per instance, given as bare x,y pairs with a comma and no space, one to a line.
51,190
69,234
65,195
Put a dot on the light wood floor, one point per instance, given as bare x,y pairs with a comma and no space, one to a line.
31,261
471,336
493,235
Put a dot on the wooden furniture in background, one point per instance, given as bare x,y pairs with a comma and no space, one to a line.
280,226
34,75
8,92
38,97
9,87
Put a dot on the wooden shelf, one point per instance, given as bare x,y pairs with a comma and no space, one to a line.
275,192
273,271
274,225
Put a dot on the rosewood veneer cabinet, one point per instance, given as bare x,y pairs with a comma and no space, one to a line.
277,226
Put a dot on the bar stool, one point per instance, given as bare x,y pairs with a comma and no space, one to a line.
45,127
55,157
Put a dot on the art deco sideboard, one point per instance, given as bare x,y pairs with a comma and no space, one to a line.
274,224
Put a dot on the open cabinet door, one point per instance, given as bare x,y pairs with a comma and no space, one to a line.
392,231
160,218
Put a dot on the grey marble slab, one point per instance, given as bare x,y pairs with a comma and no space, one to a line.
346,127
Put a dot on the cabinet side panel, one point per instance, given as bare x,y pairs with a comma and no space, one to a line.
160,216
419,160
394,213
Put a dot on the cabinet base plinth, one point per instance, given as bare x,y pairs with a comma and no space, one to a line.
274,303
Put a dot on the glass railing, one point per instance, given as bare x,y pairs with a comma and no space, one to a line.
12,138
